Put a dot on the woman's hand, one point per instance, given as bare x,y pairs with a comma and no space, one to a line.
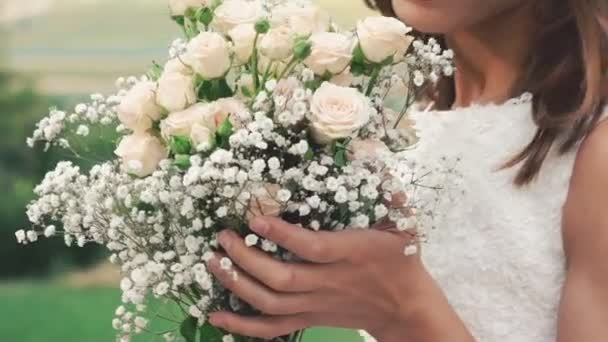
359,279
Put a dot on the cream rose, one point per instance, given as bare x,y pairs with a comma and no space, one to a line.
210,115
181,123
179,7
277,44
232,13
175,91
337,112
225,108
209,55
138,109
200,134
383,37
344,79
301,19
264,201
141,153
176,65
243,37
331,52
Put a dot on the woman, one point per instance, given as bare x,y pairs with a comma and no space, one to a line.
506,263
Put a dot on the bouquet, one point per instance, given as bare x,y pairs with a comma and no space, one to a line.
263,108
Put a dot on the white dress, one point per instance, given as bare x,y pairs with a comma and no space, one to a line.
497,249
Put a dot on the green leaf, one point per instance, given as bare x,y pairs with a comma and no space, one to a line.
182,161
209,333
388,61
226,128
155,71
357,69
247,92
310,154
358,55
180,145
204,16
179,19
212,90
340,158
188,329
223,89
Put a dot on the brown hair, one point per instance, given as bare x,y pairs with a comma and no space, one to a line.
565,75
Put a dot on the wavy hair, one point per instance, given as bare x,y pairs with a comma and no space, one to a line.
565,73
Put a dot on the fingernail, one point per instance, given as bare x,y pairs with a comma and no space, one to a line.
224,239
260,226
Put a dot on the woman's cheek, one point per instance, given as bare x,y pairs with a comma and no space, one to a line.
449,16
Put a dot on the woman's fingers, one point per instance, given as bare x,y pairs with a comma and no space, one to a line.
351,245
260,296
269,327
319,247
265,327
283,277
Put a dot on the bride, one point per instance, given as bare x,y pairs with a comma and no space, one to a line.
521,256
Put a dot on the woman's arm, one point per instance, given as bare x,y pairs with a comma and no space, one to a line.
584,307
354,279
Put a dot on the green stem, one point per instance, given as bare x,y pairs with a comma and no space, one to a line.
288,67
254,67
373,79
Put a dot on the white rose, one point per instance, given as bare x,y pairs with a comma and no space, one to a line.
232,13
383,37
176,91
337,112
179,7
177,66
277,44
243,37
200,134
303,20
181,123
138,109
209,55
141,153
331,52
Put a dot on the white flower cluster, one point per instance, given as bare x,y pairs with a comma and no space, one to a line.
264,109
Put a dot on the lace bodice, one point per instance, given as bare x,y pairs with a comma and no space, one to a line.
497,249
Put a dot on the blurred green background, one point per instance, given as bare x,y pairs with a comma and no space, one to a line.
55,53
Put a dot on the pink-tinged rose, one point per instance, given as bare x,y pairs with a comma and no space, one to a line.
337,113
208,54
138,109
383,37
243,38
331,53
175,91
141,153
232,13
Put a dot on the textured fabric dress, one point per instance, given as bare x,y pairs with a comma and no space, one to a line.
496,250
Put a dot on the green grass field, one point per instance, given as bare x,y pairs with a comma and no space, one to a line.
53,313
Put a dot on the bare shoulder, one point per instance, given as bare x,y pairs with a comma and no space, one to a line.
586,209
